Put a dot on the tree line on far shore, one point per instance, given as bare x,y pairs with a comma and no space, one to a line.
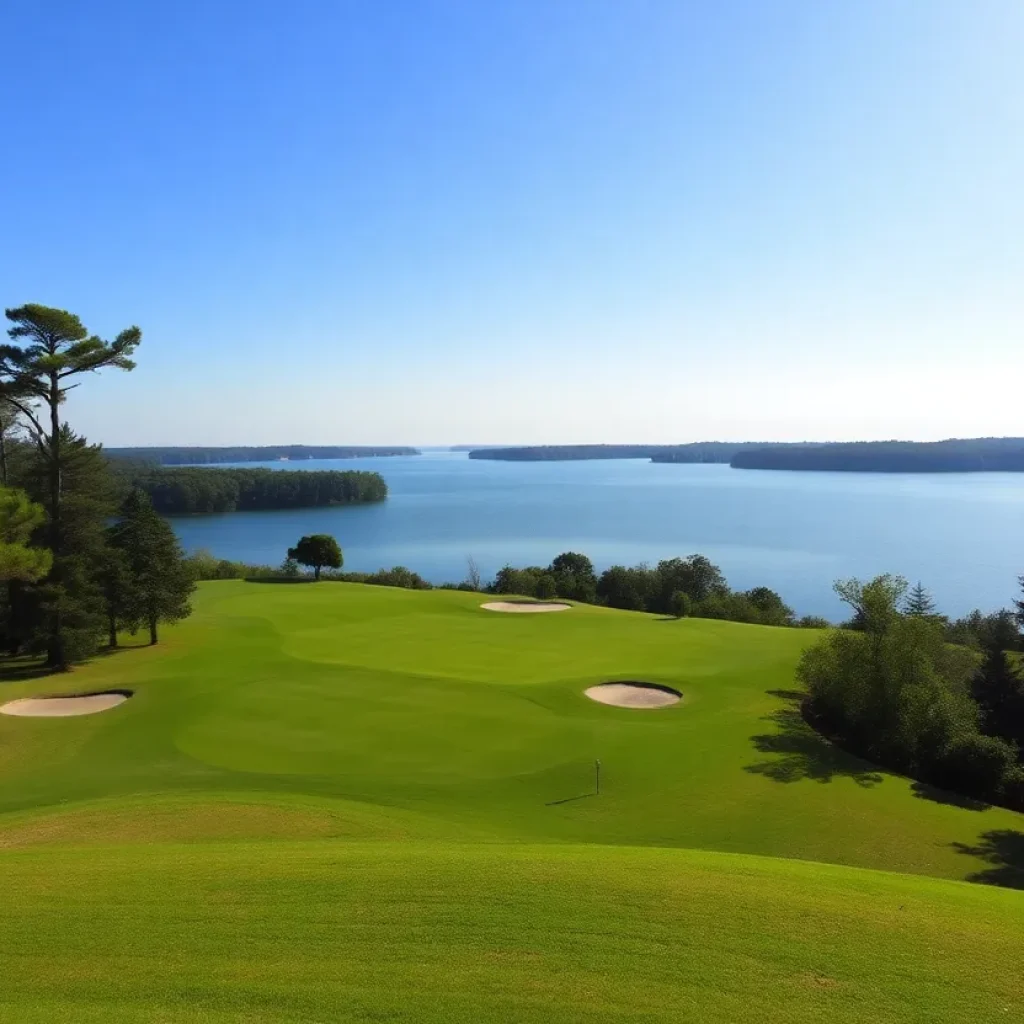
193,455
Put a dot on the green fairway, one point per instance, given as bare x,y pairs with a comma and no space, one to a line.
336,802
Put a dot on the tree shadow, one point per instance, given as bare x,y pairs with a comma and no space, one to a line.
800,752
18,670
924,791
283,579
793,696
1002,848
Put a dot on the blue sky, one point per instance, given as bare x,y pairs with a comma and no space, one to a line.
447,221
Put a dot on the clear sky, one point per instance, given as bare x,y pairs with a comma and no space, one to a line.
456,221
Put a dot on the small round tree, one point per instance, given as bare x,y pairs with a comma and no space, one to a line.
319,550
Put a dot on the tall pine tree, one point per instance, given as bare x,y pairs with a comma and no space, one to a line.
154,582
51,349
919,603
998,690
70,592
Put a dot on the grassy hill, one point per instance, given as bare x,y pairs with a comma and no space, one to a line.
336,802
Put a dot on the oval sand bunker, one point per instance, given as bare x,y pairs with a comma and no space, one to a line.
634,695
526,606
64,707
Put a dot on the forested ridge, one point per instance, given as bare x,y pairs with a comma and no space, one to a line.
185,456
701,451
185,491
957,455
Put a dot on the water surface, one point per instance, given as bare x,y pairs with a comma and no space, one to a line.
960,534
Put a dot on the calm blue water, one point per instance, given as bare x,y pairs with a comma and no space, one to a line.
962,535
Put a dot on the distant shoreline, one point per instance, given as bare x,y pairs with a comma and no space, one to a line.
199,455
956,455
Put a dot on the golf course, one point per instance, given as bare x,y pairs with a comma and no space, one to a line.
329,802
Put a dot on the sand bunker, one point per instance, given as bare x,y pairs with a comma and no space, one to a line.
526,606
634,695
64,707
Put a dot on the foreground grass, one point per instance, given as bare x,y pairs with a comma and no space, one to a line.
435,932
341,803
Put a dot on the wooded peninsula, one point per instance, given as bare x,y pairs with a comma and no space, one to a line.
193,490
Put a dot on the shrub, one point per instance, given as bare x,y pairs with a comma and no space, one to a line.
975,764
681,605
813,622
1013,788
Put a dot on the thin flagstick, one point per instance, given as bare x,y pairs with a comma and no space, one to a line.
597,778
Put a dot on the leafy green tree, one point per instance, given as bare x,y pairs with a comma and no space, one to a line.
895,689
695,576
1019,605
771,609
620,587
51,348
682,604
319,551
156,580
876,604
546,587
20,518
574,577
919,603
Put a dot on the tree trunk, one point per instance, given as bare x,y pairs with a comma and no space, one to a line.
112,626
3,452
152,630
316,572
55,655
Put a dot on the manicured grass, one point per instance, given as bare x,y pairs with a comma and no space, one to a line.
441,932
337,802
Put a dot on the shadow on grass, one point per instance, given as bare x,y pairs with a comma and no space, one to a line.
924,791
17,670
1003,849
20,668
283,579
799,752
569,799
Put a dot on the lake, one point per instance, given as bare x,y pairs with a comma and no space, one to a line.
962,535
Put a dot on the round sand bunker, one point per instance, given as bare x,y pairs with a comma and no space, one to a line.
64,707
526,606
634,695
